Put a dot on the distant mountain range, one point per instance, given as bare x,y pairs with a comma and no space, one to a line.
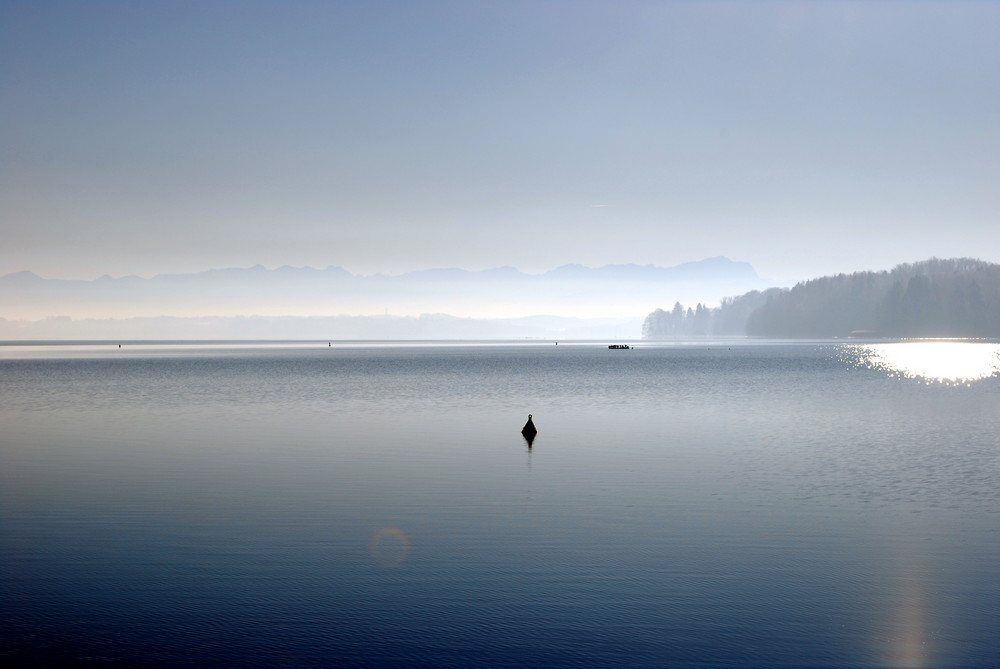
572,291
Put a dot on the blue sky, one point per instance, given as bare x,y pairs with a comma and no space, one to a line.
803,137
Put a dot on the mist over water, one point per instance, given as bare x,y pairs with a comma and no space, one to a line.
685,504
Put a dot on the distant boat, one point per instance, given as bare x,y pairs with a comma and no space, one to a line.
624,346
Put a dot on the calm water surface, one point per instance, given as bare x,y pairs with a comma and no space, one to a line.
723,504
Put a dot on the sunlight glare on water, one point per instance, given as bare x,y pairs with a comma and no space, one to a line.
931,361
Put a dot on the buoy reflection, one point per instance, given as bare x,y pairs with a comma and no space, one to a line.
389,547
933,361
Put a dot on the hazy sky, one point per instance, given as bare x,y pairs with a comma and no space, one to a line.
802,137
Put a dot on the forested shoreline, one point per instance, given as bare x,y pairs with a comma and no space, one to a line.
933,298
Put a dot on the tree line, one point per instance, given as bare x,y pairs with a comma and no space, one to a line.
728,319
933,298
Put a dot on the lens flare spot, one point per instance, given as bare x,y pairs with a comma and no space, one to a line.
389,547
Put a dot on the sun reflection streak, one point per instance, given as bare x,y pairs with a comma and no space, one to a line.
945,362
908,644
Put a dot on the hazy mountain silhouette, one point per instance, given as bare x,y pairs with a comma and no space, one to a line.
503,292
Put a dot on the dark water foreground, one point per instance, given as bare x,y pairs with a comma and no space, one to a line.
691,505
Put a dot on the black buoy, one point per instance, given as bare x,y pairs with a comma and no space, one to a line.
529,428
529,431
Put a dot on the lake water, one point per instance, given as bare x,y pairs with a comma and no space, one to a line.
706,504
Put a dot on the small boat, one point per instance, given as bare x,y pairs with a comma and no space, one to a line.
622,346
